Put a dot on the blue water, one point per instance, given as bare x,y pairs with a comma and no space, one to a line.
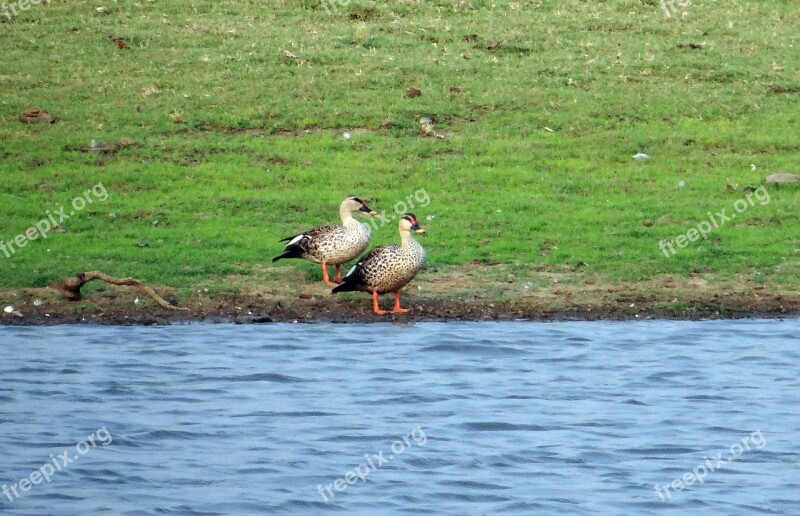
486,418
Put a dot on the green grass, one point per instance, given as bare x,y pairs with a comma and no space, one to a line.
236,112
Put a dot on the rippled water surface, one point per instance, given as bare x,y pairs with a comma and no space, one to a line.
457,418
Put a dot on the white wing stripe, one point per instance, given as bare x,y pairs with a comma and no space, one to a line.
296,239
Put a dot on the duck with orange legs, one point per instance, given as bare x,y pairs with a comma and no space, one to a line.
388,268
332,244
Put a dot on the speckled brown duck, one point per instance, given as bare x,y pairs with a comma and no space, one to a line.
332,244
388,268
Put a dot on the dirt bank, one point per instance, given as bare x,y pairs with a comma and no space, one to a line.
468,294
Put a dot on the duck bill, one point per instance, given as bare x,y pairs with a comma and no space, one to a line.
368,210
418,230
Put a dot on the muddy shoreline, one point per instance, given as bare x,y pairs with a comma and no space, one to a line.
121,308
473,293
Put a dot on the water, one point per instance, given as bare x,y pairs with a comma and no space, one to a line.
478,418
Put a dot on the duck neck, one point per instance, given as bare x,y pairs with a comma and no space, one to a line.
405,238
346,216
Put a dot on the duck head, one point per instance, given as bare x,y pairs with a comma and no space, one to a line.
354,203
409,223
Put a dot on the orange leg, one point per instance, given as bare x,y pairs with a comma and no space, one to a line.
397,309
375,307
325,276
338,278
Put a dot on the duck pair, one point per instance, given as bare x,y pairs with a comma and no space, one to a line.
387,268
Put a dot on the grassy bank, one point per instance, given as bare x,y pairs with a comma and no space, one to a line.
232,118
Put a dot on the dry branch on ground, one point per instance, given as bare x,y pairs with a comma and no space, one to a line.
70,287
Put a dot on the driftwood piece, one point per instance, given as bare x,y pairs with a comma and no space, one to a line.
70,287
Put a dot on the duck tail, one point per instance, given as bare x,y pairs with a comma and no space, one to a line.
345,286
287,254
351,282
290,252
294,249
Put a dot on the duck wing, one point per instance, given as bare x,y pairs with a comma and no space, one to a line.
358,275
303,243
319,230
370,255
